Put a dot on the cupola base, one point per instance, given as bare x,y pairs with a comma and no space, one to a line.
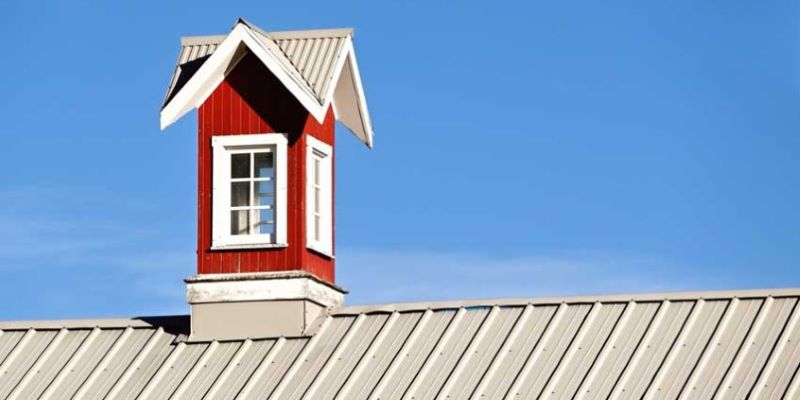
258,305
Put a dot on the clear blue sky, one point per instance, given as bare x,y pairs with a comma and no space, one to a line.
522,149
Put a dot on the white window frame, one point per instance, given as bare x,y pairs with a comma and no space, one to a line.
223,147
314,149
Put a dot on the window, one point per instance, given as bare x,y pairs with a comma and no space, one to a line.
319,196
249,191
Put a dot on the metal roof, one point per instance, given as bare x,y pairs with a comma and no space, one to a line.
314,60
727,345
313,53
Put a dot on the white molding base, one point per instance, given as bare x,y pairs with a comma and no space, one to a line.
230,288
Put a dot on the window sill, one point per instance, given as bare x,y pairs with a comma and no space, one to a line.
249,246
321,252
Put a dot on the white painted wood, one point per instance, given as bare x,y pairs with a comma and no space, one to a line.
222,147
214,70
350,101
263,290
317,150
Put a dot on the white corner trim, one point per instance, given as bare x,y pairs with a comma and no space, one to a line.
263,290
324,245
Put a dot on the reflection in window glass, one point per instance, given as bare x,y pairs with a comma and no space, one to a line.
240,222
263,165
240,194
240,165
253,193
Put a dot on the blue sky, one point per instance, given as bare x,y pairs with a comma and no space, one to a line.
522,149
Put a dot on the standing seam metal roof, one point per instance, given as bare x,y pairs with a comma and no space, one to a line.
726,345
312,54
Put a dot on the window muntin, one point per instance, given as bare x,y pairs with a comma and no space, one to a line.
319,196
249,191
253,192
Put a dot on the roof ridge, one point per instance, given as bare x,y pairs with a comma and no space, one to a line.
605,298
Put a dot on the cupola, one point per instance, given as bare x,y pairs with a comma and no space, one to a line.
267,103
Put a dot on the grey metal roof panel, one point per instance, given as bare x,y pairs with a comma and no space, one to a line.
16,366
145,366
757,348
694,348
617,353
315,356
312,53
482,351
234,376
551,350
656,345
272,370
49,363
519,347
726,343
583,352
378,358
348,355
691,344
782,367
85,360
448,352
207,370
414,354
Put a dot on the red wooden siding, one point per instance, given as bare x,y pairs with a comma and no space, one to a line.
251,100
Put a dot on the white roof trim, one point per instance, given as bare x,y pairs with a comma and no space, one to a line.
348,98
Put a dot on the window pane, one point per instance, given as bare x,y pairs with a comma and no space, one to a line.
240,222
316,171
264,165
240,194
265,223
240,165
265,192
316,200
316,227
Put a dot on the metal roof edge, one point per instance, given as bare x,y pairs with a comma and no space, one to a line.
88,323
312,33
200,40
612,298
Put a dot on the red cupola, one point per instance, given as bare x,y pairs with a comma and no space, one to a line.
267,103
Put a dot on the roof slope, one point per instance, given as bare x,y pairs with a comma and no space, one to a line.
319,66
730,345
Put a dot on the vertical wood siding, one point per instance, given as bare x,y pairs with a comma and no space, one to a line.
249,101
